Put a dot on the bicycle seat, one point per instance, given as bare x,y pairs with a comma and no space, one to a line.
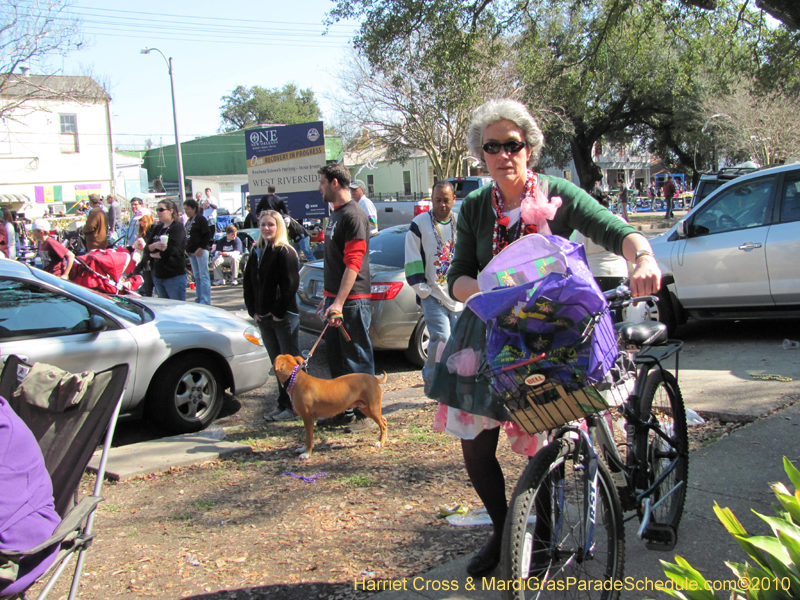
649,333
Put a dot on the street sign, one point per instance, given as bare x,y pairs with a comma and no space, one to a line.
289,158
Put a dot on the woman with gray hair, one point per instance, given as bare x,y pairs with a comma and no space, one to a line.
519,202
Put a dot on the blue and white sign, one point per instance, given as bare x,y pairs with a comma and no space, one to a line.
288,157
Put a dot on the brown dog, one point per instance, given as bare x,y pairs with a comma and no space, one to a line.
313,398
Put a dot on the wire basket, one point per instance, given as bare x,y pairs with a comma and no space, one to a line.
542,398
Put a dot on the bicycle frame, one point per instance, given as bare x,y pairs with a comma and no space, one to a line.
634,473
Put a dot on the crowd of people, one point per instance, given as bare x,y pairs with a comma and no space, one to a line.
444,255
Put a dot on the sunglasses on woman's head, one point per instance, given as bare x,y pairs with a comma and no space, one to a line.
511,146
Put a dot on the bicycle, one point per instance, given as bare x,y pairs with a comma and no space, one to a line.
578,486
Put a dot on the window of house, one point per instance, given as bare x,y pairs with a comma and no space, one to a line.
370,185
69,133
568,175
407,183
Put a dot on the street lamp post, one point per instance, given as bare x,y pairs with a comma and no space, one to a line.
178,154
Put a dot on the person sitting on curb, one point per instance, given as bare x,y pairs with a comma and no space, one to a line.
227,253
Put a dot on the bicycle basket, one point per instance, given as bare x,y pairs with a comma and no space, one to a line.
539,397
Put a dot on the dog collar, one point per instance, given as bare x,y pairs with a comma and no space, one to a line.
292,377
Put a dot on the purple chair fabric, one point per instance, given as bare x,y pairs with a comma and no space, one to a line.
27,512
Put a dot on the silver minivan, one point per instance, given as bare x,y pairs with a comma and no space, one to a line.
735,255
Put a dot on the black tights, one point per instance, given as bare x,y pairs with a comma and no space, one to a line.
486,475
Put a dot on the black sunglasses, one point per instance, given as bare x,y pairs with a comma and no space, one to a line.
160,209
511,146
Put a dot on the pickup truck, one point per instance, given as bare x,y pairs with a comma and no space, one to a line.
399,212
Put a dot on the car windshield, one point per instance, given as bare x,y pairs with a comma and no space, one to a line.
388,248
123,307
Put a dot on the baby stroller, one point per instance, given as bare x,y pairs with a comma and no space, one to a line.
103,270
67,415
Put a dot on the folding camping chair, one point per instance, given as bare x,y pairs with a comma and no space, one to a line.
67,436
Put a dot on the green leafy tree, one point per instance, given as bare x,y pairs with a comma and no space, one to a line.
248,107
614,70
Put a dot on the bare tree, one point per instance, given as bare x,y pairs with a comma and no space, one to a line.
402,111
31,31
747,125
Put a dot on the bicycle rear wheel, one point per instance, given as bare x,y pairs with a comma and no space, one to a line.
662,401
540,559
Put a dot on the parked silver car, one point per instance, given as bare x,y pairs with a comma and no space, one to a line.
735,255
182,356
397,322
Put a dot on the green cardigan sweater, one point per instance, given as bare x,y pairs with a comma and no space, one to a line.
578,211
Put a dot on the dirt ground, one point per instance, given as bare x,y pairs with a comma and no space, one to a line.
249,527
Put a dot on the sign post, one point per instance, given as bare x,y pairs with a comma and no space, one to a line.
289,158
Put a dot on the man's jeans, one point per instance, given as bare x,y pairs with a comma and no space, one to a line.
281,337
202,280
440,322
354,356
173,288
304,246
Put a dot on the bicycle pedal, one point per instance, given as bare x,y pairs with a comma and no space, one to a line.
660,537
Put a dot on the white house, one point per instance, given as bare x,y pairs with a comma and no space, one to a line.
56,148
402,180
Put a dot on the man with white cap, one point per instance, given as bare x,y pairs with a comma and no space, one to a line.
51,252
358,194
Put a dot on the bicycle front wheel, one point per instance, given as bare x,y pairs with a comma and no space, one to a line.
662,402
550,548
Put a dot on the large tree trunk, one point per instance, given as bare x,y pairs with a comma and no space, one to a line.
587,170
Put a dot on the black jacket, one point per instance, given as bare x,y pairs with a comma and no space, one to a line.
270,281
272,202
200,235
173,260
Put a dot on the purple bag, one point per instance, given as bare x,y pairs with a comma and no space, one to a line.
544,299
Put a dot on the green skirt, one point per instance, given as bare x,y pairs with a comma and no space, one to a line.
466,392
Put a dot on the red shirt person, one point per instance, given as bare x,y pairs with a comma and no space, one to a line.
51,252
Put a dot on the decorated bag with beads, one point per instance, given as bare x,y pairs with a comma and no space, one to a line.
540,299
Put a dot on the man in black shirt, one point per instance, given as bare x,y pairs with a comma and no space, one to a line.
347,286
272,202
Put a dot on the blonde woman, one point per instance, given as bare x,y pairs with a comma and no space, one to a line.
270,284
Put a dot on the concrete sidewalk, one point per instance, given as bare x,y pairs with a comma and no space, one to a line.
735,472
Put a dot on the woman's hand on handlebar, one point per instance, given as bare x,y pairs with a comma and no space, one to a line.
646,277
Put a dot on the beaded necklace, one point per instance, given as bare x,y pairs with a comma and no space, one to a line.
501,239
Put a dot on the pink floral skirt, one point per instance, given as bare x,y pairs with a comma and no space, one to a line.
467,426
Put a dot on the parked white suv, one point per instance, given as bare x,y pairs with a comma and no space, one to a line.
735,255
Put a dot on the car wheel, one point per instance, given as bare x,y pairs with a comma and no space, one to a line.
666,311
186,394
417,351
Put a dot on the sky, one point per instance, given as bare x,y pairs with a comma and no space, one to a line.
215,46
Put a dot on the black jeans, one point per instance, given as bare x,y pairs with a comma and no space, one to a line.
281,337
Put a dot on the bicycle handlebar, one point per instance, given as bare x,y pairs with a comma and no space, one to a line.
621,296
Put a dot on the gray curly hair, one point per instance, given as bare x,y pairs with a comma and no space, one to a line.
504,109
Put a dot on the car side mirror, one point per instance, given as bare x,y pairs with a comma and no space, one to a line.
683,228
97,323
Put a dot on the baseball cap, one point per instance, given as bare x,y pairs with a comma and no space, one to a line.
357,183
41,225
142,212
